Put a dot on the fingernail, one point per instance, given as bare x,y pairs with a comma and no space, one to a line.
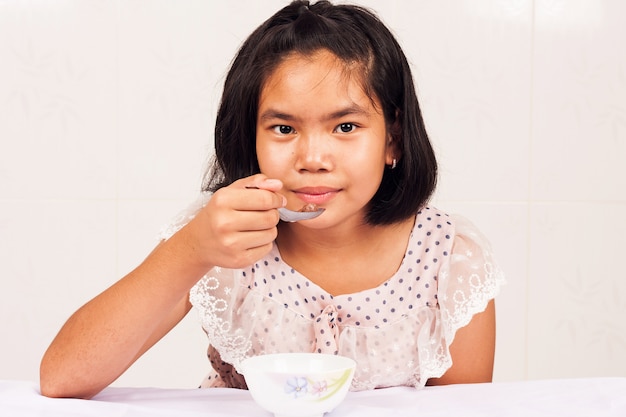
272,182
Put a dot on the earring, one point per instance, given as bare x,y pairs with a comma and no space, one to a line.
394,163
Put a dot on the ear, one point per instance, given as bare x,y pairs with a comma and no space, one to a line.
394,135
392,152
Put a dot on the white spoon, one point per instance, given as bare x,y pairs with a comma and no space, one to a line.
291,216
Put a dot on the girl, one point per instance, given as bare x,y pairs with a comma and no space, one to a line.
318,108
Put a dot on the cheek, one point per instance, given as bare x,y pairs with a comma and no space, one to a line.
370,158
371,165
271,159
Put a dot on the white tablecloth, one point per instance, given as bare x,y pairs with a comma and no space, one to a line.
571,397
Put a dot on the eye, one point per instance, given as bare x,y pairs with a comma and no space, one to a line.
345,128
283,129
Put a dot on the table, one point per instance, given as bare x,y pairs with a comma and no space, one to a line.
589,397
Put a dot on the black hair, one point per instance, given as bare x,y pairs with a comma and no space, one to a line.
355,35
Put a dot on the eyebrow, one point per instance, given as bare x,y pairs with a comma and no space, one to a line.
355,109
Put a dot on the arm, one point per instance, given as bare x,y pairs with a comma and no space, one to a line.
105,336
472,351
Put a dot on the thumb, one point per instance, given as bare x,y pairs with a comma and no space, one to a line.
263,183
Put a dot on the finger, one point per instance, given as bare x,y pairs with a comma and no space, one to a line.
261,182
238,197
254,181
260,238
259,252
246,248
258,220
249,256
266,195
270,184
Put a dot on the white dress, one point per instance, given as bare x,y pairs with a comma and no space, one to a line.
399,333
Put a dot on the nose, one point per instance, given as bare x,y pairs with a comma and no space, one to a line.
314,153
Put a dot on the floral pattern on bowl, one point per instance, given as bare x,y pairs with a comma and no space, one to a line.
299,387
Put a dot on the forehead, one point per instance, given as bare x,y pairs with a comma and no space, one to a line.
322,72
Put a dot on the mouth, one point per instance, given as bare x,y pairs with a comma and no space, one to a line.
316,195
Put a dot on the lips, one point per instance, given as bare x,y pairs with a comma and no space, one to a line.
316,195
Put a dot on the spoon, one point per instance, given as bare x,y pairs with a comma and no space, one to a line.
291,216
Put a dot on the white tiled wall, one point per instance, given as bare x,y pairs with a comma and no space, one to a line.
106,113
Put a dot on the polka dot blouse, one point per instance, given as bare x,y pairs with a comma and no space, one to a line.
399,332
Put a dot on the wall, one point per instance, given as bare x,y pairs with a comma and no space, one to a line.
106,113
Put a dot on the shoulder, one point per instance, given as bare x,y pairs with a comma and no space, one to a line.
458,233
433,216
433,229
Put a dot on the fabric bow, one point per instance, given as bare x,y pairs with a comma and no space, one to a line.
326,331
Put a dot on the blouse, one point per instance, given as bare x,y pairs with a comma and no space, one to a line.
399,332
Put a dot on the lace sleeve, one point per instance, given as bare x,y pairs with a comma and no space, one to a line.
470,280
184,216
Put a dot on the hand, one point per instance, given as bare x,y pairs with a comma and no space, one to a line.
238,225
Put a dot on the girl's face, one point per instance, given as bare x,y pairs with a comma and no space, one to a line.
319,132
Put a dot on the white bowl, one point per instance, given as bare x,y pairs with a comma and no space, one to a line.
298,384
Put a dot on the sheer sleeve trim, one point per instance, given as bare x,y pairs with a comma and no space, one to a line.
469,281
184,217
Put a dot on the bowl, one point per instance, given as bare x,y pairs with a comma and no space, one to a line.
298,384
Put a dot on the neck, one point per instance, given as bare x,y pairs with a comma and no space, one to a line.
346,259
294,235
